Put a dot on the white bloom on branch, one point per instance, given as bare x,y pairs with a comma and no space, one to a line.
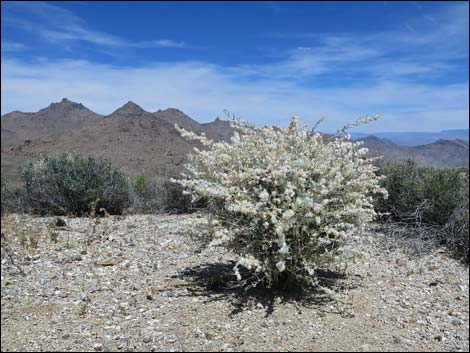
271,187
281,266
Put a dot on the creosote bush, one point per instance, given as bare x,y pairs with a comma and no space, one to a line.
74,184
284,200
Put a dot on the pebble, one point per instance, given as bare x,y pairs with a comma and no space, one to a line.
455,322
124,305
159,313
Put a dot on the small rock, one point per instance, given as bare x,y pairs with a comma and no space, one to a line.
456,322
438,337
72,258
259,306
98,346
147,339
66,336
59,222
83,252
123,306
400,262
106,262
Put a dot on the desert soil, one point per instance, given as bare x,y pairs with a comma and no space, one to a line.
141,283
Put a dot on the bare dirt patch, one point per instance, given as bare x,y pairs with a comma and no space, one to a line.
139,283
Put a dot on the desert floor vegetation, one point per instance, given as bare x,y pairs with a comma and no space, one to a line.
139,282
254,247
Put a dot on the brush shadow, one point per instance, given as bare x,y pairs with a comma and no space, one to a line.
216,281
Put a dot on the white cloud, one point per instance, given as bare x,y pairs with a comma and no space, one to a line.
60,26
429,43
379,73
13,46
203,91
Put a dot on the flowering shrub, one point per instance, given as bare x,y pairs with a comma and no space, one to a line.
285,200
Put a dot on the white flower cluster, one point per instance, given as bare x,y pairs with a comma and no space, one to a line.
284,199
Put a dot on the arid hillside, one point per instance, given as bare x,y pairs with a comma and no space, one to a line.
136,140
143,142
442,153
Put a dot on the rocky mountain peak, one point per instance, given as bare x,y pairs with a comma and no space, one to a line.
130,108
66,104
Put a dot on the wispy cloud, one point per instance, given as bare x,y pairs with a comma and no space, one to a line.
429,43
399,74
60,26
13,46
161,43
203,90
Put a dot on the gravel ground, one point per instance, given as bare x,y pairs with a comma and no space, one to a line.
139,283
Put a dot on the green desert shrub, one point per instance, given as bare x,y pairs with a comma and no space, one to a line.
454,234
74,184
6,195
285,201
144,194
431,198
159,194
422,194
173,198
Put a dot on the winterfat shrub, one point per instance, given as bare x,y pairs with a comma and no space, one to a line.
284,200
74,184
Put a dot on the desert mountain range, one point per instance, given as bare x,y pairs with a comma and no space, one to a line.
136,140
145,142
416,138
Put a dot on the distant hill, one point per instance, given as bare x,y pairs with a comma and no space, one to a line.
136,140
442,153
143,142
417,138
57,117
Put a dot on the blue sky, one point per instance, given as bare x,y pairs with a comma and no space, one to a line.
263,61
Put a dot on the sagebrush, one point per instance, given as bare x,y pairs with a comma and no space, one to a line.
284,200
74,185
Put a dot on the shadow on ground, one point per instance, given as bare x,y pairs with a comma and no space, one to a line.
216,281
